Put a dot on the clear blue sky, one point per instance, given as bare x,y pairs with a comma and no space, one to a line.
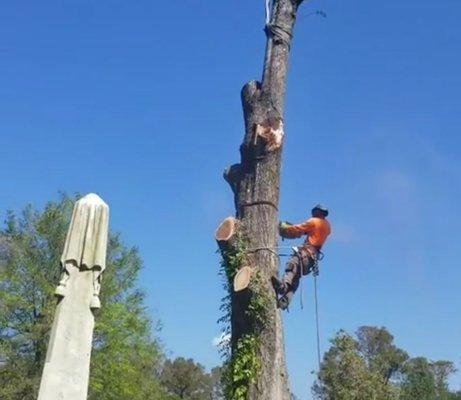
139,102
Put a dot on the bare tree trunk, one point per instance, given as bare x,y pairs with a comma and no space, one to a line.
255,184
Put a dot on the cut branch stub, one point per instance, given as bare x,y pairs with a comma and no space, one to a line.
271,133
226,236
242,279
232,176
226,231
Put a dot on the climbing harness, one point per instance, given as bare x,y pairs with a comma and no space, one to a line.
314,269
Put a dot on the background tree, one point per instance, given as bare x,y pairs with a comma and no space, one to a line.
441,370
344,374
125,355
371,366
380,354
418,382
217,392
454,396
187,380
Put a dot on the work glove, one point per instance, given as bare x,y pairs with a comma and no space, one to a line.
282,227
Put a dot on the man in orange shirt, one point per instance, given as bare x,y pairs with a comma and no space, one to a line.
305,258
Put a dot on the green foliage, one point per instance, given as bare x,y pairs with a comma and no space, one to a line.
231,261
454,396
30,268
186,379
259,303
418,383
242,368
125,356
381,355
372,367
217,389
344,374
441,370
243,365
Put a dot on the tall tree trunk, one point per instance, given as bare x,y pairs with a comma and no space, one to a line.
255,184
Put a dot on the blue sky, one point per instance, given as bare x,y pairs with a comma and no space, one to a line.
139,102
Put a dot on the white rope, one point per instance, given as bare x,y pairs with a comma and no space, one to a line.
317,321
301,297
268,11
300,272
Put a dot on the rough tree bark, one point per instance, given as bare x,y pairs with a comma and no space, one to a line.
255,184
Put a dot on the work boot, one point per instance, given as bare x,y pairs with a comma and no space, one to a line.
280,287
283,303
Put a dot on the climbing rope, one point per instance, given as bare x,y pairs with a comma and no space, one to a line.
317,320
269,249
268,11
272,250
301,297
277,31
258,203
315,272
301,291
280,33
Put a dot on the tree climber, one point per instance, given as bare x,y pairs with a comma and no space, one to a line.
305,257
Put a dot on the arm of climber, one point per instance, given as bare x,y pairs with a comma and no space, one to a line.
296,231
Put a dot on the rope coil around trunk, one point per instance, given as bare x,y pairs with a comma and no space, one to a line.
279,32
258,203
270,250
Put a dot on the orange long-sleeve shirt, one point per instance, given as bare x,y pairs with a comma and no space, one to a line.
316,229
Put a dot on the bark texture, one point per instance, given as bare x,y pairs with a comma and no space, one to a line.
255,184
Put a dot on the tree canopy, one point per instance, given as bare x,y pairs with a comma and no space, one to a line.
126,357
371,366
344,374
186,379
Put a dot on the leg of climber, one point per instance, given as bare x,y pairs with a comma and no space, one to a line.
290,282
285,300
293,268
282,286
302,262
292,273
